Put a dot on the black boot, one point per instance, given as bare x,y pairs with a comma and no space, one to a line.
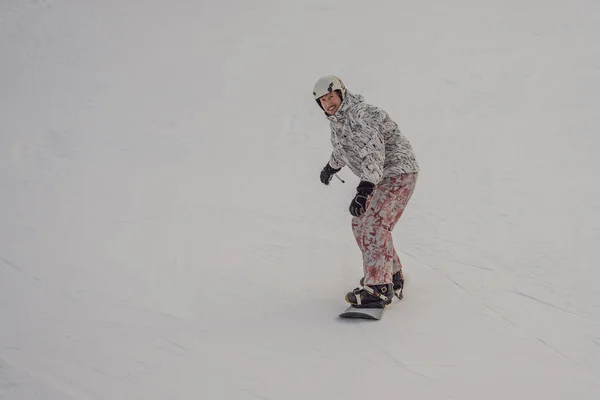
375,296
398,280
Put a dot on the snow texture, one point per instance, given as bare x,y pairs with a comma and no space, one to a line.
164,234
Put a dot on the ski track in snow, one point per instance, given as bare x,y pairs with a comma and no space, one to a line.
11,265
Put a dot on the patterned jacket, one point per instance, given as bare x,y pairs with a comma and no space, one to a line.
368,141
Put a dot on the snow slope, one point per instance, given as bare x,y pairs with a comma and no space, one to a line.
164,234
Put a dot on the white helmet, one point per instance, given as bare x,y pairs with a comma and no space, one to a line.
328,84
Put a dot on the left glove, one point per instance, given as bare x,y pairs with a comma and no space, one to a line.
327,173
359,202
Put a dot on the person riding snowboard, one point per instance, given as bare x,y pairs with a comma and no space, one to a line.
366,139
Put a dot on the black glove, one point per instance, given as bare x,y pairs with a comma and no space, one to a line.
327,173
359,202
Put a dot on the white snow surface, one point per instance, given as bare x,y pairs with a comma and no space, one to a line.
164,234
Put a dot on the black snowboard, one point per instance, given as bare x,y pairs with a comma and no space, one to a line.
369,313
363,313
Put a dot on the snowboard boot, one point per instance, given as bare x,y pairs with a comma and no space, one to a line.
397,280
375,296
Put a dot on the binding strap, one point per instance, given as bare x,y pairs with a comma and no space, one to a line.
372,292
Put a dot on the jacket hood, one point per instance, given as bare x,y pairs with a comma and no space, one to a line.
348,103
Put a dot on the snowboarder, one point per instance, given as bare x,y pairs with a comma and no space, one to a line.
366,139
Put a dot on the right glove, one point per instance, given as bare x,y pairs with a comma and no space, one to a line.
327,174
359,202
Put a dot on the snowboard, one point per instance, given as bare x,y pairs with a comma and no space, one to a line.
363,313
369,313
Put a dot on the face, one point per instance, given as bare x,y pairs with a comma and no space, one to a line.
330,102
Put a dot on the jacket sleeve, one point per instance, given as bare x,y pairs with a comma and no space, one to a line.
371,149
335,160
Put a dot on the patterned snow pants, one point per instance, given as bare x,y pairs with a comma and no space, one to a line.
373,229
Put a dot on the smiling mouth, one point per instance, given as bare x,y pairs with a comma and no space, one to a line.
331,108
